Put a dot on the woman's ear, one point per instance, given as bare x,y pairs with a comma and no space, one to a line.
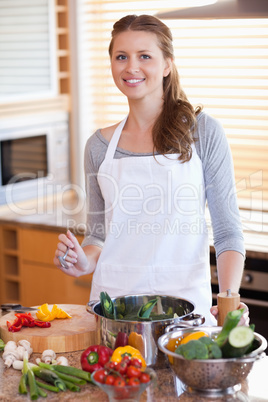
167,69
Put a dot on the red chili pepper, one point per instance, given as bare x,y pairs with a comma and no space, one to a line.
25,320
15,326
42,324
95,357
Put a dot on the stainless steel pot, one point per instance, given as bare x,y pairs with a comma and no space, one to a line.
143,335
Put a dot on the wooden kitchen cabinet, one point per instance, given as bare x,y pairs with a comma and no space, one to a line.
10,278
28,275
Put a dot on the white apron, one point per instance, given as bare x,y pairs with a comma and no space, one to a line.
156,237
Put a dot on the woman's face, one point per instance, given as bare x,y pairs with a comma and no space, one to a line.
138,65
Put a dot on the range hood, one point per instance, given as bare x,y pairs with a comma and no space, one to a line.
223,9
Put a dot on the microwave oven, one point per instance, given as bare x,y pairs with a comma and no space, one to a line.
34,157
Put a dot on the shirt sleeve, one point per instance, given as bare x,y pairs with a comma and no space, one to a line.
215,153
95,223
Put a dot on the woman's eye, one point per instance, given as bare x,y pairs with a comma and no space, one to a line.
145,56
121,57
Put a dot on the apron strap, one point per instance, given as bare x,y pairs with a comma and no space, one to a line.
114,140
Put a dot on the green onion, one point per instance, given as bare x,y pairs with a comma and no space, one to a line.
22,384
41,392
2,344
76,372
47,386
32,384
70,378
71,386
63,376
49,376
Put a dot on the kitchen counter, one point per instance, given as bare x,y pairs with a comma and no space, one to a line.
255,389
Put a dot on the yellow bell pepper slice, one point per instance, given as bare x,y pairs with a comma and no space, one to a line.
44,314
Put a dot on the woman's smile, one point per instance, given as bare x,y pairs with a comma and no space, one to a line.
133,82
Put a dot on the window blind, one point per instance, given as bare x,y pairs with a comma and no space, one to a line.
223,66
27,53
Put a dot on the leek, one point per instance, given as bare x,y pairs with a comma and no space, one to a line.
64,376
50,377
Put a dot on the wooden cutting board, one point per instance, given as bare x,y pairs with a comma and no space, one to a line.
64,335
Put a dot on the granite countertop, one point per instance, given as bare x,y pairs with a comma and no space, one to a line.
167,389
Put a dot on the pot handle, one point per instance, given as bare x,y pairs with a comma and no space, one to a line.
192,320
89,306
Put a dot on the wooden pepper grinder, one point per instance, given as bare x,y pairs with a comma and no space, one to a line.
227,301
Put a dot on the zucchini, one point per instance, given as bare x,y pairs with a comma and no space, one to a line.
231,320
238,343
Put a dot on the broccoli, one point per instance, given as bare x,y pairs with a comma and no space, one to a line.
202,348
193,350
214,351
206,340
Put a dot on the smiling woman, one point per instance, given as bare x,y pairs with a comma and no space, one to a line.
222,64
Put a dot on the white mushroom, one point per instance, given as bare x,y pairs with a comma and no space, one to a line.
13,353
37,360
9,356
62,360
26,345
10,345
10,353
21,352
48,355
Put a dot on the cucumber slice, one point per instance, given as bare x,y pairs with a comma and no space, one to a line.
241,337
239,341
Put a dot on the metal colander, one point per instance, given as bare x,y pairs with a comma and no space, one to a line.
213,374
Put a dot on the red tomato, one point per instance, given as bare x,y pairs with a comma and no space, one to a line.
126,359
133,371
119,382
136,362
110,379
100,375
122,367
134,381
111,365
145,377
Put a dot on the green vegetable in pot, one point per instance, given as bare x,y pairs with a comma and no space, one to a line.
239,342
231,320
146,309
120,309
107,305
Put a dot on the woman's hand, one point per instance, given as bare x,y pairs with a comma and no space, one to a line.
76,259
244,319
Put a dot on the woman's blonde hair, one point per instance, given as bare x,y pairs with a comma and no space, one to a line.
173,129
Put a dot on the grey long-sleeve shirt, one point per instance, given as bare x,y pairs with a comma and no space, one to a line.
213,149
